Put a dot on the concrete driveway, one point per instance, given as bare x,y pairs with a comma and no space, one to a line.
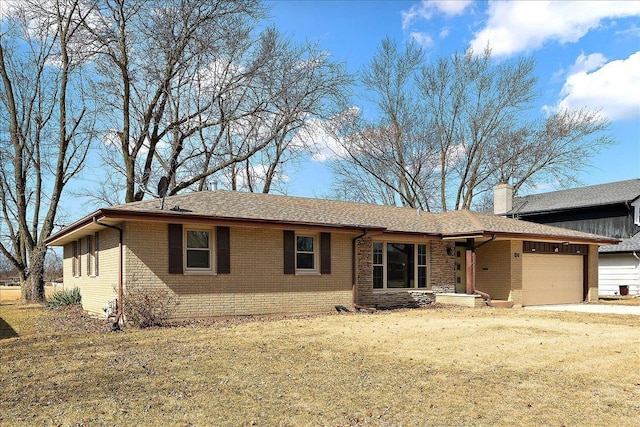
590,308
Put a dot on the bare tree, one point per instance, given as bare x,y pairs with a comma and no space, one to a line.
146,51
44,139
305,88
197,92
394,150
479,128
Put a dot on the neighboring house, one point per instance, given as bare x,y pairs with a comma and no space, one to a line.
230,253
611,210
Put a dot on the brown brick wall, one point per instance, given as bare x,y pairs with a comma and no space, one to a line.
256,284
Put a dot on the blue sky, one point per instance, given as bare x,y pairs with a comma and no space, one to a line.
587,54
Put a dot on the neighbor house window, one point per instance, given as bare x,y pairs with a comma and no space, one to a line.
399,265
198,250
306,253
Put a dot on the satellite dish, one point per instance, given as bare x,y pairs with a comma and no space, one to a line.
162,186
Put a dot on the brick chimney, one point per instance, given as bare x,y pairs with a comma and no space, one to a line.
502,199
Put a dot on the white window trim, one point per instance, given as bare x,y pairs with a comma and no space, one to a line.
212,247
316,254
415,266
636,212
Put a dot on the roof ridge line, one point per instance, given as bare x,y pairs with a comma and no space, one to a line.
474,219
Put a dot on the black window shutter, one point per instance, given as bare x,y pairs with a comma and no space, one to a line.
175,249
223,250
325,253
289,238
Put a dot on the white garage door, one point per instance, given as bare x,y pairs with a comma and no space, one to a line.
551,279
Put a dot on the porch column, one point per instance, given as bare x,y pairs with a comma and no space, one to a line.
470,259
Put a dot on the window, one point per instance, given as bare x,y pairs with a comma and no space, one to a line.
198,250
399,265
378,266
75,260
96,252
305,253
90,255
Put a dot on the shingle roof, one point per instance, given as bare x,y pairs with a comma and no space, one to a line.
631,244
594,195
297,210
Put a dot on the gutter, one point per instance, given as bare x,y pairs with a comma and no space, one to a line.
116,323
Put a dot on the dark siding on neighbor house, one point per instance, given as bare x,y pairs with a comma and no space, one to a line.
611,221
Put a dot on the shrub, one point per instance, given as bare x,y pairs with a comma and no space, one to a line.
148,307
64,298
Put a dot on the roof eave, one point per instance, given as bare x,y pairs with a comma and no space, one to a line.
62,237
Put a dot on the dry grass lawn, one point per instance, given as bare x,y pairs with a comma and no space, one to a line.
442,366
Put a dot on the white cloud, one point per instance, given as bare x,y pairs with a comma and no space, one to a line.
422,39
515,27
326,144
587,63
613,86
427,8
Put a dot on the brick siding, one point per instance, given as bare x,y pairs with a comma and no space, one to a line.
257,283
96,290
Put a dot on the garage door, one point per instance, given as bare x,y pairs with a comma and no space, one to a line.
551,279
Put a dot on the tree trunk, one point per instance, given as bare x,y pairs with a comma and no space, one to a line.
33,284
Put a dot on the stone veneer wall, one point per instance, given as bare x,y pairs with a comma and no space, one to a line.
364,271
442,274
441,278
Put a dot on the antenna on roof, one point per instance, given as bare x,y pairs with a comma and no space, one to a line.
163,185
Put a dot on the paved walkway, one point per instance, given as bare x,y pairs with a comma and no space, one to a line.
590,308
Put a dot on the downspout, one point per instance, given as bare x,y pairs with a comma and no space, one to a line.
354,266
485,296
116,322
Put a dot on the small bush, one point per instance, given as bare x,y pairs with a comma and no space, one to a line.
64,298
148,307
